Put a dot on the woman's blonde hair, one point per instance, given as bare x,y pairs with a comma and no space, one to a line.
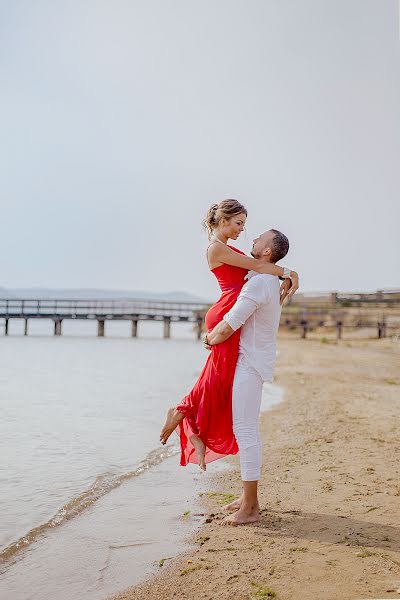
224,210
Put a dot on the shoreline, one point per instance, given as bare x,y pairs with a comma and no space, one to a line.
137,521
329,491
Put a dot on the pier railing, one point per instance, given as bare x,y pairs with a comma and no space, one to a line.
380,298
309,321
343,312
133,310
40,308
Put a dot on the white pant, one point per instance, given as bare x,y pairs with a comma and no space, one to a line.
246,403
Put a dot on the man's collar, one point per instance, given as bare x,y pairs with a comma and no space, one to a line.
251,274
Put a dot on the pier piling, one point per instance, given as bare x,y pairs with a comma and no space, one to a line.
134,327
100,327
167,327
304,326
199,327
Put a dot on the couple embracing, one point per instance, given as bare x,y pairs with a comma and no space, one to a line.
220,415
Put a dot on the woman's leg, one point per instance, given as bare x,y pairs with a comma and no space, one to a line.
200,448
204,417
174,417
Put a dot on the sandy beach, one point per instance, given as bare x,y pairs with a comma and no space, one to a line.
330,489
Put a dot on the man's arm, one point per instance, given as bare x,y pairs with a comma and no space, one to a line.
219,334
248,301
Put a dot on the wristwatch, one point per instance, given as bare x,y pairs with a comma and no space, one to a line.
286,273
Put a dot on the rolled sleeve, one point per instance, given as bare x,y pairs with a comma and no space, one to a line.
240,312
248,301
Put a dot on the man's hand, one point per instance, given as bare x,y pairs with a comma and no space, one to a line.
289,287
219,334
206,344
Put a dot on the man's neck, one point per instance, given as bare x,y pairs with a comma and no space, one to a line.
265,260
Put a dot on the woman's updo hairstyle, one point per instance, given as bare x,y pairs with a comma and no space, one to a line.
224,210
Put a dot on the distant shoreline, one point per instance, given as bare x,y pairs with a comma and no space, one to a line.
37,293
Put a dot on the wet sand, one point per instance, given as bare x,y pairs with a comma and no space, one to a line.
330,489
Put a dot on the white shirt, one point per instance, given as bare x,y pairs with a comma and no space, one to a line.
257,310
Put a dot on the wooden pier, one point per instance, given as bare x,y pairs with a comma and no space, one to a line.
102,311
307,321
335,312
339,313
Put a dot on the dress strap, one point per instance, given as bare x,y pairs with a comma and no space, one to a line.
213,242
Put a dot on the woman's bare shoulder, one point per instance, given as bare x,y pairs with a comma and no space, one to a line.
215,249
236,250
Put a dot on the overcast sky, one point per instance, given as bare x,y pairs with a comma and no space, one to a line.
122,121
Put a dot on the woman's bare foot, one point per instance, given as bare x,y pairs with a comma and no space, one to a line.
174,417
200,448
242,517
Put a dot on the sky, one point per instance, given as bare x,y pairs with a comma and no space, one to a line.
122,121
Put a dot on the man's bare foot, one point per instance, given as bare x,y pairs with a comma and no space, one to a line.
200,448
174,417
242,517
233,506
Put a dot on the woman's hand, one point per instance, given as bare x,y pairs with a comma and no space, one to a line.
289,286
284,290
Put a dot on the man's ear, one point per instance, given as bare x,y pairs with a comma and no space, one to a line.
267,252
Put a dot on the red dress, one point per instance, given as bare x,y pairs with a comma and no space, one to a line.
208,407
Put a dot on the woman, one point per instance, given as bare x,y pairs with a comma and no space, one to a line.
204,417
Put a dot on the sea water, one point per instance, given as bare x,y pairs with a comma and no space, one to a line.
89,499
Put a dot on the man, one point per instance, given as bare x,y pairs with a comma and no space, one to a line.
257,311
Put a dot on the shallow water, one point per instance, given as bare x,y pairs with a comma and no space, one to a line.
89,499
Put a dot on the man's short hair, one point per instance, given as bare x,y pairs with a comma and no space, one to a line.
279,246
